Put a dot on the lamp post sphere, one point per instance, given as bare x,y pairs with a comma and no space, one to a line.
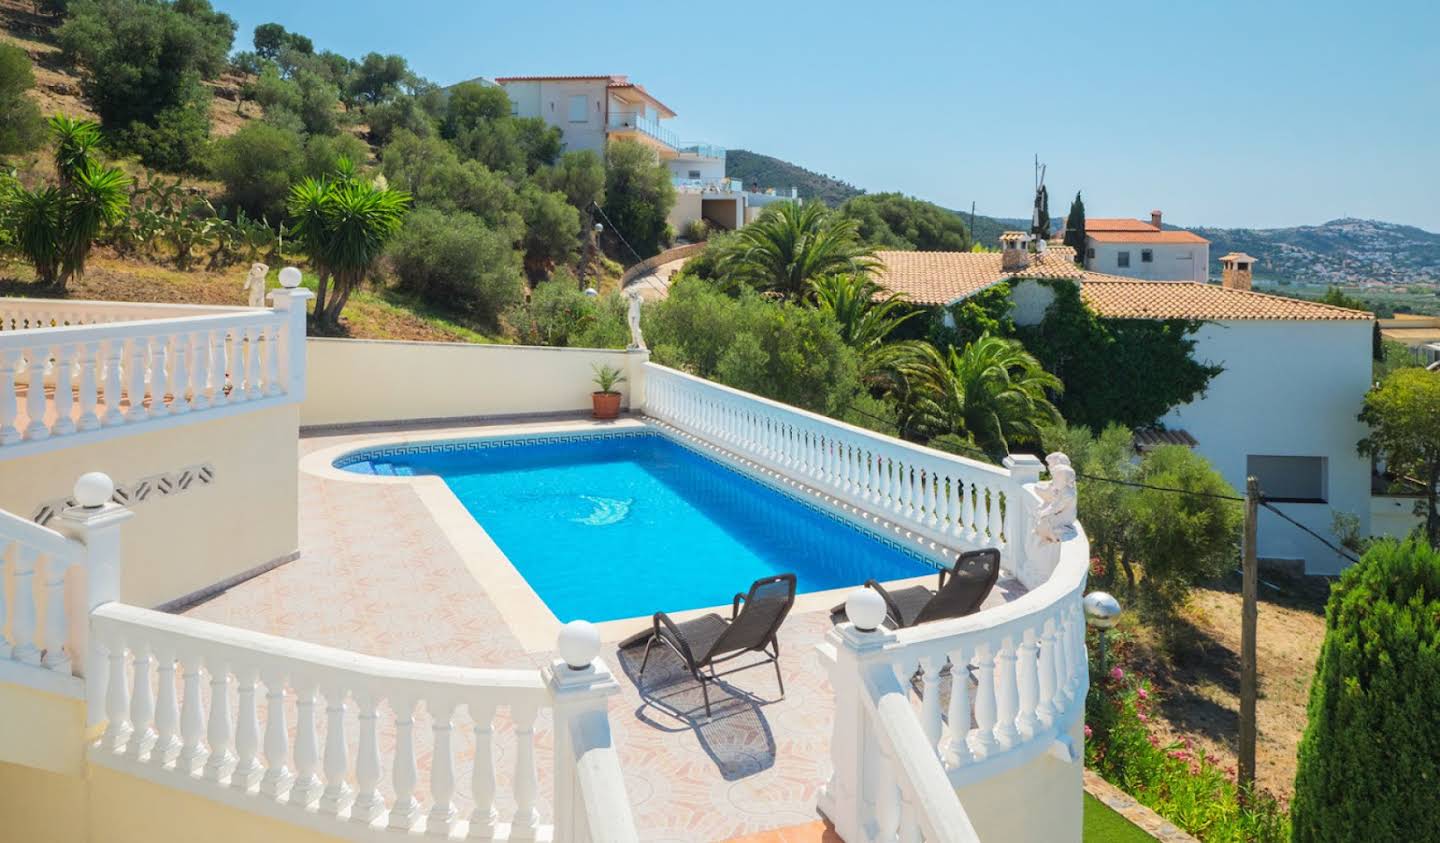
599,227
93,489
579,644
1102,611
591,292
865,608
290,277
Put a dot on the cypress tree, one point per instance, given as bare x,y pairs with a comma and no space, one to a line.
1075,228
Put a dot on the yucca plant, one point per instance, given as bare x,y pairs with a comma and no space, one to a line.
96,197
34,222
75,141
343,224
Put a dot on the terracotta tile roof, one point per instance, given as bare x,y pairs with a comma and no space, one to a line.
1151,438
1116,224
1238,256
1130,298
1137,236
612,80
937,278
942,277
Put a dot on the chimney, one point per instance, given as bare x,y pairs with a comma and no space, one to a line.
1236,269
1155,218
1014,251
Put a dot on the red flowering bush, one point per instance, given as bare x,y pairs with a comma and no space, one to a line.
1176,780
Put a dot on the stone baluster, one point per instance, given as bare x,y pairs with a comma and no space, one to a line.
221,363
117,699
22,622
64,398
482,775
192,721
944,486
139,360
272,359
167,709
218,731
142,705
1007,697
337,792
1027,681
181,347
887,800
89,397
882,488
405,813
248,768
307,787
957,751
984,701
114,353
930,704
162,364
199,370
1077,662
442,771
35,359
527,819
252,362
369,805
1049,705
57,616
9,408
967,519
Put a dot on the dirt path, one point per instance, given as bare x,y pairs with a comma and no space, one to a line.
1199,688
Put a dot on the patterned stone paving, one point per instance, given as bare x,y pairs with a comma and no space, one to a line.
376,575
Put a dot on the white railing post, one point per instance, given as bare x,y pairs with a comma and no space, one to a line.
291,348
94,522
590,798
1025,470
849,798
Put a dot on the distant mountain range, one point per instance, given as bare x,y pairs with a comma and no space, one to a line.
1343,251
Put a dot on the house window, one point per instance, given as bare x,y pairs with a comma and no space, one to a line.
1122,259
514,109
694,174
1147,256
579,108
1289,479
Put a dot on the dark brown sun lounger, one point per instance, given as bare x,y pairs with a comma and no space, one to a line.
961,591
710,639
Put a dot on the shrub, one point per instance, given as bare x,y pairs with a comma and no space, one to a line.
560,314
257,165
638,195
1370,760
21,127
323,153
455,261
783,351
696,231
1178,781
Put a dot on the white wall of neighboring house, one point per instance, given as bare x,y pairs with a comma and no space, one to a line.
1170,261
695,167
552,101
1290,389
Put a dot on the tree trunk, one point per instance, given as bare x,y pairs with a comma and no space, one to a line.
321,292
1432,516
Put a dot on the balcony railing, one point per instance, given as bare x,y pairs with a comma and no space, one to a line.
78,369
703,150
717,185
620,121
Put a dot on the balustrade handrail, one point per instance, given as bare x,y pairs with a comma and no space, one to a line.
234,645
129,329
37,537
128,311
654,370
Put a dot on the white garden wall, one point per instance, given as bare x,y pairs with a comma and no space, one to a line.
359,381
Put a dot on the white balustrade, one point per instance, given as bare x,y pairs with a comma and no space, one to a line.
1016,676
952,500
71,368
239,727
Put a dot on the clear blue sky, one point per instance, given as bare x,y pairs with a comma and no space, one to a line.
1225,113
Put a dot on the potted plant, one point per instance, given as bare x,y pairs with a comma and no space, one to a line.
605,399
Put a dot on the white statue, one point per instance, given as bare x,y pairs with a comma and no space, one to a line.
637,340
255,284
1055,519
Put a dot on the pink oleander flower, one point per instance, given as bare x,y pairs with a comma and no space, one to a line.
1143,718
1142,695
1088,731
1117,674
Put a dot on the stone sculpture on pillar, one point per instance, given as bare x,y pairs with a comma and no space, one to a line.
255,284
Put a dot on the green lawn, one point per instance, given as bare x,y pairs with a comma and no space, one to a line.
1102,825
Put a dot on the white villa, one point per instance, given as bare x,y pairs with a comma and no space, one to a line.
1283,410
211,631
1139,249
592,110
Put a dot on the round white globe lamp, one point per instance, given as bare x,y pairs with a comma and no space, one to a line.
865,608
93,489
579,644
290,277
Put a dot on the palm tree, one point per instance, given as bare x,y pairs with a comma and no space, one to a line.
95,197
867,316
993,392
795,243
343,223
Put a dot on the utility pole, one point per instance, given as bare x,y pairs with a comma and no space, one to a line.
1249,583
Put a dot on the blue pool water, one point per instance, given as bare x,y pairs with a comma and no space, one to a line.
622,526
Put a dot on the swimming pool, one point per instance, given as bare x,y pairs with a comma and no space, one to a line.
611,527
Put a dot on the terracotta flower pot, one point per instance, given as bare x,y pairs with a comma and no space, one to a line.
607,404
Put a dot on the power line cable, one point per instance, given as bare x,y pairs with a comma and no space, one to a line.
616,231
1342,553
